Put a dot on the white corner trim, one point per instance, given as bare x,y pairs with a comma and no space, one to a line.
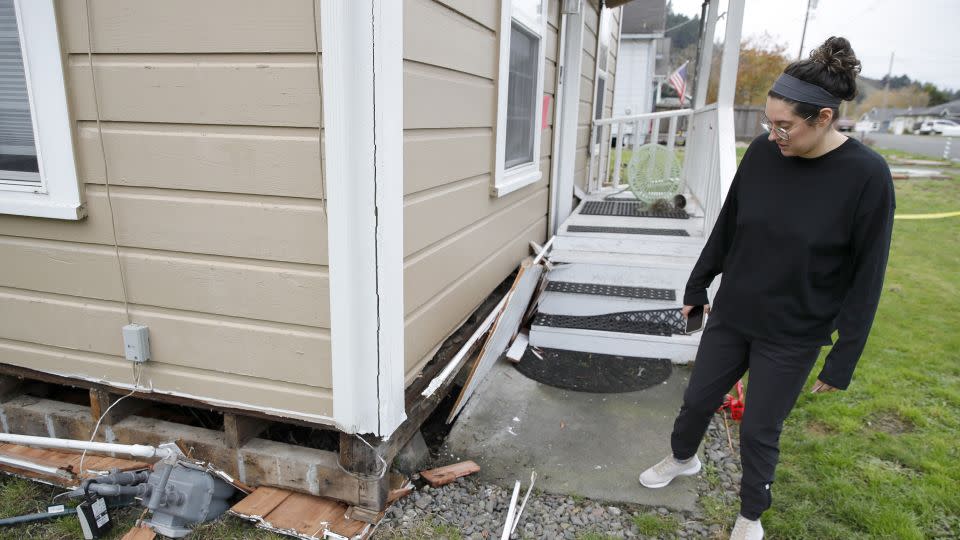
363,123
58,195
505,181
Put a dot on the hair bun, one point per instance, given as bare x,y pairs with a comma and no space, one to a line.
837,56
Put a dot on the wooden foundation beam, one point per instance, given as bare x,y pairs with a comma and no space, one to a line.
241,429
10,387
101,400
364,462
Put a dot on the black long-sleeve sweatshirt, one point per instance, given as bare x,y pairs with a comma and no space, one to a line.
802,245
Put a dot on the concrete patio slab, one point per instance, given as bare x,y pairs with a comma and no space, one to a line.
582,444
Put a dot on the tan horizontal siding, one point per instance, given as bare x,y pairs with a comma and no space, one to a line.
237,89
270,351
287,399
437,267
435,97
428,326
433,215
467,50
435,157
291,230
188,26
231,159
485,13
271,291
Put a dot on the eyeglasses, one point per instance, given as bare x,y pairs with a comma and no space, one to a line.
781,133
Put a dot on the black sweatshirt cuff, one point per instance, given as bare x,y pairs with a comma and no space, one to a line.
696,298
837,380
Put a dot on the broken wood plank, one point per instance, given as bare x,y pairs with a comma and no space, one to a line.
139,533
240,429
302,516
515,352
260,503
504,329
442,476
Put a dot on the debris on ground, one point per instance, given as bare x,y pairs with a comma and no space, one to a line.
444,475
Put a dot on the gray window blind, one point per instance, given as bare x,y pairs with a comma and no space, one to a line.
18,151
521,96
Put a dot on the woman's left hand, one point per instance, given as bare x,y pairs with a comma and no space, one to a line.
820,387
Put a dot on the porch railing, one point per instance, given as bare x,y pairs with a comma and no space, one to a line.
700,166
613,133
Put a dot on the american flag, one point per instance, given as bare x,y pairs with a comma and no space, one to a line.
678,80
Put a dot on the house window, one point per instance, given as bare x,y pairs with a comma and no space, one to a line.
519,86
38,175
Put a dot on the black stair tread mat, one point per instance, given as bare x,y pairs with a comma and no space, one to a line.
626,230
627,209
593,372
595,289
654,322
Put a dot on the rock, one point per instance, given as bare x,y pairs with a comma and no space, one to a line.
614,510
423,502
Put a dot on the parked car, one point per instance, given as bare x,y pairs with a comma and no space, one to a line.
846,124
935,126
950,131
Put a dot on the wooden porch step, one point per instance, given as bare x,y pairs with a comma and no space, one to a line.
684,264
622,275
680,349
693,226
620,244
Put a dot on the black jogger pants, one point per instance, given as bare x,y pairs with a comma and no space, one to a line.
777,375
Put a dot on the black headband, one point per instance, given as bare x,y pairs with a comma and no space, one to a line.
793,88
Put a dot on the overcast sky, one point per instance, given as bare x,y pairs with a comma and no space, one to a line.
924,35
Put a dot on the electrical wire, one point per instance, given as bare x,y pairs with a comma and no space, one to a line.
137,367
323,172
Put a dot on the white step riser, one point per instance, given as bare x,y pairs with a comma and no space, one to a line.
694,226
651,238
626,276
557,303
682,264
632,246
679,350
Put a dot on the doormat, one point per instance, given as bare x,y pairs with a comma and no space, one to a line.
626,230
590,372
595,289
656,322
627,209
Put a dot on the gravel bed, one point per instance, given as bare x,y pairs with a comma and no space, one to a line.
470,509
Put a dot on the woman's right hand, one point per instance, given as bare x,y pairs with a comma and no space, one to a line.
686,310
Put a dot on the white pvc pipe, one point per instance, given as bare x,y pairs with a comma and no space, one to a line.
135,450
31,466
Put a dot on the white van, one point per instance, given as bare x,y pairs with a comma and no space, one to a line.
935,126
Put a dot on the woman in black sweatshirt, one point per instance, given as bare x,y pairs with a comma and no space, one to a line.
802,243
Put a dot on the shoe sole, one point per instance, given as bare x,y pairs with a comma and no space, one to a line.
664,484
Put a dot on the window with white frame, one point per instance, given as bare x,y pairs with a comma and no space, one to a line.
38,175
519,91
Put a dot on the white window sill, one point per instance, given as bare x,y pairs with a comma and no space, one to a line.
40,208
516,179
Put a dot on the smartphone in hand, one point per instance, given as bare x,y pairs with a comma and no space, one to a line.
694,320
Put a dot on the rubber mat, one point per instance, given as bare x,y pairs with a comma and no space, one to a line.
627,209
655,322
590,372
627,230
643,293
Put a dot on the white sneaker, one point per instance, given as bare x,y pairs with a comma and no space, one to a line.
746,529
669,468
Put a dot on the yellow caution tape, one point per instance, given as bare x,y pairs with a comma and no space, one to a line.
927,216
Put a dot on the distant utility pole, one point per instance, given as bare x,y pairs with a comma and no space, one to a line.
811,4
886,87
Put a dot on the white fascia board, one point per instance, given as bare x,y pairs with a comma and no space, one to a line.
729,63
363,121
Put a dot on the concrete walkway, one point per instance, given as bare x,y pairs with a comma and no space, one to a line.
582,444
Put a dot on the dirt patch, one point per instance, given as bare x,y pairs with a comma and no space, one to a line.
889,422
819,429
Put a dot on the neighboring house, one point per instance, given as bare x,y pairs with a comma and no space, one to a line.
887,120
945,111
302,200
641,35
